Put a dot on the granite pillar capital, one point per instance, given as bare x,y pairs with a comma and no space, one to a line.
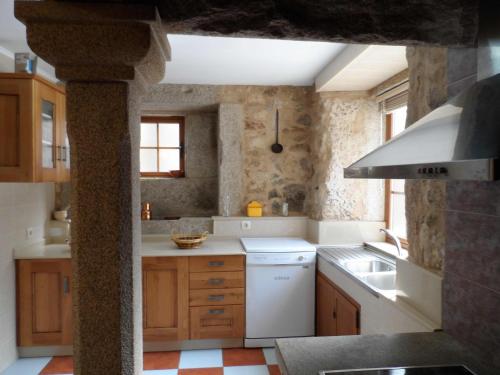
96,41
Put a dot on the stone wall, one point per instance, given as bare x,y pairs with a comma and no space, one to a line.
425,199
308,173
347,125
268,177
196,193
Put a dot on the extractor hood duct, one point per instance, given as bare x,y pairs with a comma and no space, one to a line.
459,140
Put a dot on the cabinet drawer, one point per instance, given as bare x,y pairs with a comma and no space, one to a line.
209,297
210,280
217,322
216,263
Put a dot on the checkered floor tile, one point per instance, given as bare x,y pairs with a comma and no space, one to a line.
186,362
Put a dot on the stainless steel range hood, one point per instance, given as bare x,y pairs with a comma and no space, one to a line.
459,140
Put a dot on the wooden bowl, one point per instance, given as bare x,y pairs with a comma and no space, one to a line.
189,241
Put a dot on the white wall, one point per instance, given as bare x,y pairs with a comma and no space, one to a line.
21,206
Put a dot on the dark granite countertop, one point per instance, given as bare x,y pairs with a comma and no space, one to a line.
307,356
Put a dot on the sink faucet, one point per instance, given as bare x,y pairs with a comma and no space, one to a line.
393,237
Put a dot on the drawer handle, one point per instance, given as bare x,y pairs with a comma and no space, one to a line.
216,312
58,153
66,285
215,281
218,263
219,297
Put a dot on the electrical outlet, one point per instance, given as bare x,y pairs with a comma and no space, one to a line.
246,225
29,233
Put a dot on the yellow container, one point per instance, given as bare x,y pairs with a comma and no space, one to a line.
254,209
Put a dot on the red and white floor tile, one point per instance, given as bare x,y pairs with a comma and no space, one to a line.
186,362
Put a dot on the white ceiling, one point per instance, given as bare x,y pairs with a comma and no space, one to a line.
245,61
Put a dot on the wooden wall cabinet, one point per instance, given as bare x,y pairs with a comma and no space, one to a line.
44,306
34,145
337,314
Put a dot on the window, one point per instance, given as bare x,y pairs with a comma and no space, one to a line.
162,146
395,212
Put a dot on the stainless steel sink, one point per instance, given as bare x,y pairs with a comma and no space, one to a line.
381,281
368,266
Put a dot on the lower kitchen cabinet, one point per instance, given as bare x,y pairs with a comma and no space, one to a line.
183,298
44,306
198,297
337,313
165,283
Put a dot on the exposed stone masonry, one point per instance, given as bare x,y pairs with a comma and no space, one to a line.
268,177
347,126
321,134
426,199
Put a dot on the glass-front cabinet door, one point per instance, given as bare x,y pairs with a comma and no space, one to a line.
46,117
48,137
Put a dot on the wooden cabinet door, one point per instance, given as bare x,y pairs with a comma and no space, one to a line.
62,148
165,283
16,131
325,308
347,315
46,115
44,304
337,314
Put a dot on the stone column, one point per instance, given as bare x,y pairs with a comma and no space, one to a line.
107,54
230,134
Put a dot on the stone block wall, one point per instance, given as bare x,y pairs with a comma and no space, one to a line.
196,193
347,125
268,177
425,199
308,173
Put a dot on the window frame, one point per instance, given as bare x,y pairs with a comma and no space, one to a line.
166,120
388,189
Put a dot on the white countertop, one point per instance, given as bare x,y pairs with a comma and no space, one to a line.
160,245
152,246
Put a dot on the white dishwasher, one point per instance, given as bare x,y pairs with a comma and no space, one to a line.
280,289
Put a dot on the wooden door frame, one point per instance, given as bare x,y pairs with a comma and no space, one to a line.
387,183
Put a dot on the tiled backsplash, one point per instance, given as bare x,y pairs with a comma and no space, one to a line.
21,206
471,289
